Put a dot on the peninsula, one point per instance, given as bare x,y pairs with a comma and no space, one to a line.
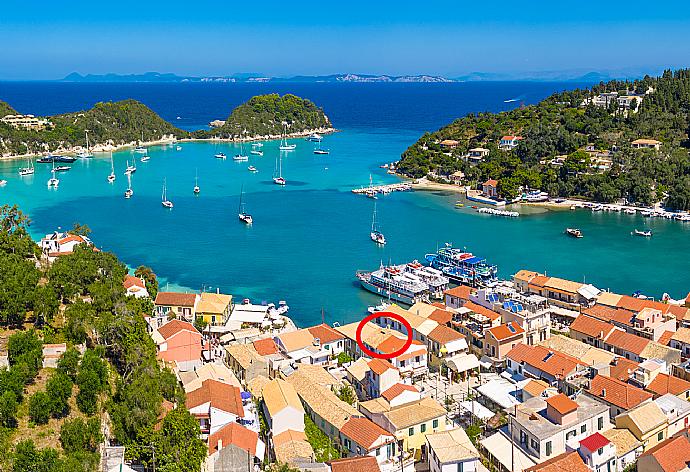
617,141
126,123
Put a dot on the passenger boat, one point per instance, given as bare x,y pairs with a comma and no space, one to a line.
376,235
220,155
86,154
62,168
647,233
394,283
242,211
461,266
315,138
435,278
278,173
28,170
164,198
574,232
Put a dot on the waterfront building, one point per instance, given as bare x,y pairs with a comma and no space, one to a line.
598,453
628,448
175,304
214,308
646,422
135,287
61,244
544,428
456,297
451,451
179,342
560,292
490,188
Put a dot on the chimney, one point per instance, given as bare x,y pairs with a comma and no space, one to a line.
220,444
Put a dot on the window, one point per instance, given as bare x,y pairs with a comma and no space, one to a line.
583,428
570,434
416,359
523,437
548,448
378,451
534,445
660,436
423,427
600,423
435,424
600,451
410,432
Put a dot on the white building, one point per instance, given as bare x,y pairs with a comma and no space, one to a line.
451,451
598,453
283,407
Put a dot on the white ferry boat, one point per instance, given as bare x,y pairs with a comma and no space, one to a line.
394,283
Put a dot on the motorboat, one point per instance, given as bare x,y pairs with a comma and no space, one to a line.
62,168
647,233
574,232
220,155
145,158
252,169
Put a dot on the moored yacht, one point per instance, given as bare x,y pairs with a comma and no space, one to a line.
220,155
242,211
574,232
164,198
28,170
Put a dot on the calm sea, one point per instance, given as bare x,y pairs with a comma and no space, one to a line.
309,237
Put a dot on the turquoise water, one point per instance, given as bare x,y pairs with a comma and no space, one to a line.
309,237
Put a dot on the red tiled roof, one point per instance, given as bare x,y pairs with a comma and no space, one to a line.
221,396
591,327
562,404
672,455
391,344
552,362
621,368
441,316
636,305
355,464
491,183
265,347
443,334
71,238
480,310
566,462
132,281
665,338
379,366
627,342
607,313
664,383
363,431
325,333
506,331
680,312
175,299
461,291
172,327
235,434
397,389
594,442
617,393
539,281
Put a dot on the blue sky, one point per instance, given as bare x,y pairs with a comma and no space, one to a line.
49,39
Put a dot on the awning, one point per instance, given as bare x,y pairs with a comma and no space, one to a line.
462,362
589,292
502,449
486,362
477,409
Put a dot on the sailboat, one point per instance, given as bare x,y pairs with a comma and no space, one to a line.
129,192
86,154
278,173
131,168
53,181
28,170
318,149
196,184
284,146
141,149
111,177
241,156
376,235
164,198
242,212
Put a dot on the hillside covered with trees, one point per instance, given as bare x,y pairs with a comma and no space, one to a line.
50,418
264,115
563,125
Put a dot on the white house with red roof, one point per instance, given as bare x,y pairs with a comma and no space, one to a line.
215,404
135,287
411,363
380,377
362,437
60,244
510,142
400,394
598,453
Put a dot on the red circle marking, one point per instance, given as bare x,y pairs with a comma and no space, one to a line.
383,314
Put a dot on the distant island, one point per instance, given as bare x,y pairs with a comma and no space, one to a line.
616,141
111,125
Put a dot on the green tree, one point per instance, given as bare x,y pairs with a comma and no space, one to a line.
91,380
344,358
150,279
8,409
27,458
80,230
78,435
26,348
46,304
69,363
59,390
12,219
177,443
40,407
346,394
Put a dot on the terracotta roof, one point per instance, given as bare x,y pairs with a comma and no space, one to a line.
566,462
646,417
296,340
441,316
391,344
443,334
563,285
591,327
624,440
552,362
665,338
379,366
627,342
594,442
562,404
397,389
325,333
491,183
638,304
175,299
525,275
291,447
664,383
480,310
617,393
680,312
672,455
220,395
682,335
414,413
506,331
608,313
461,291
278,395
132,281
235,434
71,238
510,138
621,368
172,327
539,281
265,347
364,432
214,303
535,387
355,464
289,435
